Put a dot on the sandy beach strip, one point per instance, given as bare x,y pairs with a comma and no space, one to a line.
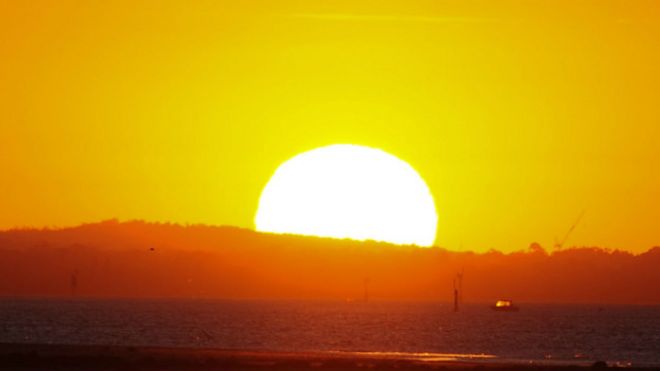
100,357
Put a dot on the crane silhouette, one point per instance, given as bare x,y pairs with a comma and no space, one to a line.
560,243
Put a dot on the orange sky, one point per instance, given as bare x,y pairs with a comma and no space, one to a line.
519,115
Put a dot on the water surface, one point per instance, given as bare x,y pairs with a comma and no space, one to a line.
618,334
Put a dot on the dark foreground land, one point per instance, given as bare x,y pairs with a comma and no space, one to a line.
92,357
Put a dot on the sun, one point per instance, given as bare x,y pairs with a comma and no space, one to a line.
349,191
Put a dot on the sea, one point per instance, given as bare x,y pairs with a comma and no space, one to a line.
538,333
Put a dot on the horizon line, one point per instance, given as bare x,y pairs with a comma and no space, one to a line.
115,220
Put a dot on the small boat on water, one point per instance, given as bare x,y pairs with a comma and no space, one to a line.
505,306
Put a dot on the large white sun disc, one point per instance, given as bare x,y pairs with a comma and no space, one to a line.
349,191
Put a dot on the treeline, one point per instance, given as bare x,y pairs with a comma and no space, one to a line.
139,259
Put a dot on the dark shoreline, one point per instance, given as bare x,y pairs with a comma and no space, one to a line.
100,357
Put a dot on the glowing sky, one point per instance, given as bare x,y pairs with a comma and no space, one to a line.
519,115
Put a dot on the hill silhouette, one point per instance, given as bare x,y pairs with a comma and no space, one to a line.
149,260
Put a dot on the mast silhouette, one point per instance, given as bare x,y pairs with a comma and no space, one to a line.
458,290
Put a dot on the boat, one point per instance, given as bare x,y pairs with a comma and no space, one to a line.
505,306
